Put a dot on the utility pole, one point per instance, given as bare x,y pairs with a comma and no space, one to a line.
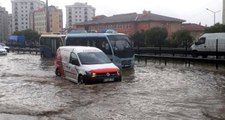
47,18
214,14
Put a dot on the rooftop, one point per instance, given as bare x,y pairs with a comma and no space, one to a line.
132,17
193,27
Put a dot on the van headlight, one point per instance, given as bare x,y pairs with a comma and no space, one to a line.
91,74
118,72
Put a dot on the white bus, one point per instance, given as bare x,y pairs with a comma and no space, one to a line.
116,45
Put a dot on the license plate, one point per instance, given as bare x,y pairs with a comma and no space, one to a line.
108,79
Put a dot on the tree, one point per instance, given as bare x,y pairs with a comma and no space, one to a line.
181,38
138,38
216,28
156,36
31,36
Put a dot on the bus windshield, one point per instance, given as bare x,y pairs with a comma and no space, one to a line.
121,46
88,58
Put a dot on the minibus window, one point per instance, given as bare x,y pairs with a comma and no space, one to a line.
99,42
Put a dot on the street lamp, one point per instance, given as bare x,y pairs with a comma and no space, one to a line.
47,18
214,13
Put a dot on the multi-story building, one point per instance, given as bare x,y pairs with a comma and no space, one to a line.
77,13
10,30
3,24
21,11
55,20
223,12
132,22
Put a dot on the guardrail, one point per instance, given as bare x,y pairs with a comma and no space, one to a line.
30,50
184,54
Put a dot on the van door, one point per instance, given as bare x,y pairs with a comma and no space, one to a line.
72,67
201,44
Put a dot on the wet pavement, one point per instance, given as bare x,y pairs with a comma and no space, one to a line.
29,90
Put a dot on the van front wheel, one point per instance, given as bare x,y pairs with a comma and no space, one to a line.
57,72
81,80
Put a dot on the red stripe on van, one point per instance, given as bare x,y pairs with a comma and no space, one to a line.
105,70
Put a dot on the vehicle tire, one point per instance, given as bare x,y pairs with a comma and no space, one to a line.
42,55
204,56
119,79
81,80
57,72
194,54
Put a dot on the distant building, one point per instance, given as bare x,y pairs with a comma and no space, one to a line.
10,30
223,12
55,20
132,22
21,11
3,24
77,13
196,29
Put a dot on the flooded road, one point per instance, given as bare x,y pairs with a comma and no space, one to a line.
29,90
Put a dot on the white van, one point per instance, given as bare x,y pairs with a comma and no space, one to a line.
207,42
85,65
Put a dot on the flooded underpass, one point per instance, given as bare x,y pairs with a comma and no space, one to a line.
29,90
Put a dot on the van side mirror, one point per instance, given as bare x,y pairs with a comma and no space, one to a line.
75,62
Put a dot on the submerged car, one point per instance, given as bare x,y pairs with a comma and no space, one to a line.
2,50
6,47
85,65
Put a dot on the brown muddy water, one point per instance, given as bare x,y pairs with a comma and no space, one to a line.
29,90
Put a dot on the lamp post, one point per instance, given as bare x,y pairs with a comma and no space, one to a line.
47,18
214,13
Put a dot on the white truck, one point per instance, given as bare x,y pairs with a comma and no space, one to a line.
208,43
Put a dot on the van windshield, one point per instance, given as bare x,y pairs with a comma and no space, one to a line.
88,58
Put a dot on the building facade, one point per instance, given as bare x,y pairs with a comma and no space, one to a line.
55,20
132,22
77,13
21,12
10,30
3,24
223,12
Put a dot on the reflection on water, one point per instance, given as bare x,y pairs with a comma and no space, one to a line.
29,90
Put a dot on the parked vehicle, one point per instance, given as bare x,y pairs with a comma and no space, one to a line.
2,50
116,45
49,43
6,47
207,43
85,65
15,40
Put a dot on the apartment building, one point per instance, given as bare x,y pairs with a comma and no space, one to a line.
77,13
21,12
3,24
55,20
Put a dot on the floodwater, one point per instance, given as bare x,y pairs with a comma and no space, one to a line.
29,90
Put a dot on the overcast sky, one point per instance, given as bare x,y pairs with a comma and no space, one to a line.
193,11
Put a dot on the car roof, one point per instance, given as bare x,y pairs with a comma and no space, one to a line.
79,49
